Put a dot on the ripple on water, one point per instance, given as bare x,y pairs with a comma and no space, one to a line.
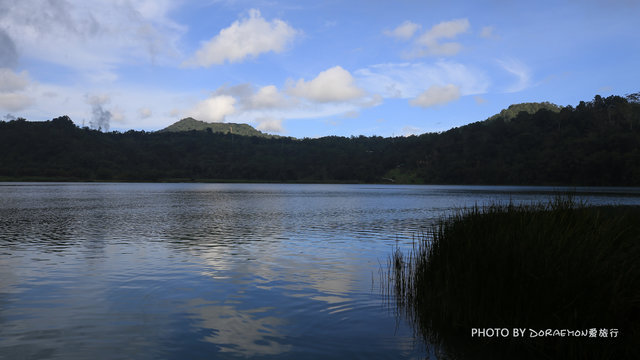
208,270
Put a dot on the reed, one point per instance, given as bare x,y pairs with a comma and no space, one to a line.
558,265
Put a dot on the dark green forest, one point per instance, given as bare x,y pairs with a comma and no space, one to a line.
595,143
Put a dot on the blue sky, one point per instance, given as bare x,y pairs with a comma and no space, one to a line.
309,69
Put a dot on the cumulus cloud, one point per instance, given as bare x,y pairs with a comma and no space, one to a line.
270,124
268,106
12,88
436,95
430,43
333,85
265,98
408,80
404,31
249,97
213,109
520,71
11,81
251,36
14,102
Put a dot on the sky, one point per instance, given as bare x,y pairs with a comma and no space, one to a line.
309,68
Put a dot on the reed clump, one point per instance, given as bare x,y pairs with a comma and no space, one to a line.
559,265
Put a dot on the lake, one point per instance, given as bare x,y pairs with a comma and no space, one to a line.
217,271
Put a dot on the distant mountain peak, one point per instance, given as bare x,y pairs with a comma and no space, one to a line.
530,107
191,124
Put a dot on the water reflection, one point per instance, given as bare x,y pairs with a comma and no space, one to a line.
247,332
209,270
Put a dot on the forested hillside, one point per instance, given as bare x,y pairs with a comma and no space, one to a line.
595,143
188,124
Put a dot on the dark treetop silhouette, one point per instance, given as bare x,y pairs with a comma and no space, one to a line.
595,143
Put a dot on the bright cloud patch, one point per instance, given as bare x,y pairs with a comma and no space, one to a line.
247,37
430,43
333,85
14,102
265,98
436,95
270,124
331,93
11,81
12,86
214,109
404,31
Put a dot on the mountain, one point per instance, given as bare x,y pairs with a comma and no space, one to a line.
189,124
593,144
530,108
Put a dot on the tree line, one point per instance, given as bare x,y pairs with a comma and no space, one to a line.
595,143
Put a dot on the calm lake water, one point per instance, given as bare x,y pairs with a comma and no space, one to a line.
216,271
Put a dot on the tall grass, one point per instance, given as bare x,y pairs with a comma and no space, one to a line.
560,265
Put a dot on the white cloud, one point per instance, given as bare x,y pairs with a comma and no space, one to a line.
270,124
213,109
91,36
266,97
436,95
11,81
251,36
404,31
408,80
520,71
14,102
430,43
12,90
268,107
445,30
248,98
332,85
